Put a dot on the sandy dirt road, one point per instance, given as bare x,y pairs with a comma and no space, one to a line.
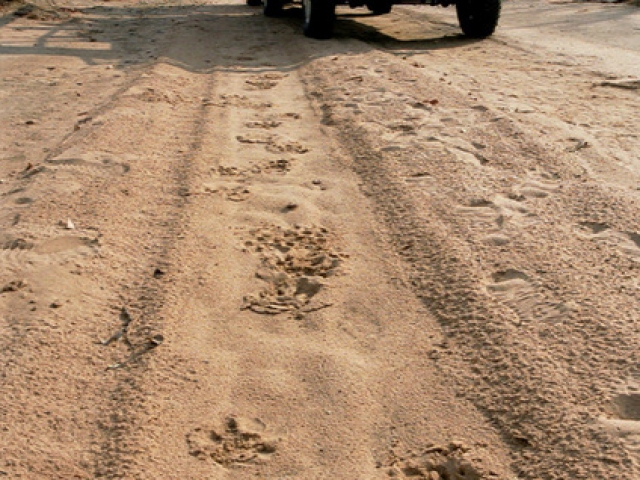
232,252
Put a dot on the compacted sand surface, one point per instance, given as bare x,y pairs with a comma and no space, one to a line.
230,252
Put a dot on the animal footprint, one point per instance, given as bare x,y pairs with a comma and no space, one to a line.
496,212
237,442
293,263
626,406
265,81
254,139
468,156
502,210
594,228
623,416
496,240
10,243
237,194
281,166
272,166
628,242
480,211
153,95
286,147
631,244
263,124
533,189
299,250
227,100
401,126
516,290
509,277
448,462
277,166
104,166
229,171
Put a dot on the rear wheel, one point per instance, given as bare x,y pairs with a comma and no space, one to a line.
478,18
272,8
379,7
319,18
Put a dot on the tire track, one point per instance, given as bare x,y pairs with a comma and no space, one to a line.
144,293
507,350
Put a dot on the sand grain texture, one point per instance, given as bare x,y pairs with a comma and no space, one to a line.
231,252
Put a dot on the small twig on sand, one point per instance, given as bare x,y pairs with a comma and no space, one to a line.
315,309
629,84
125,318
152,342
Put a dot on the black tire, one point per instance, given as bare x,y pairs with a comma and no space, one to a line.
478,18
254,3
379,7
319,18
272,8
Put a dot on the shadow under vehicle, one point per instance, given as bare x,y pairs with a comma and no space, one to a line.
478,18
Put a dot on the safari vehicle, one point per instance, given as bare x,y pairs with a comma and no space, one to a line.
478,18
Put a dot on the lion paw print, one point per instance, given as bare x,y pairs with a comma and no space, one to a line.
237,442
438,463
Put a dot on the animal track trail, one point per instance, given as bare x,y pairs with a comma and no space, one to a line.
295,261
236,443
516,290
